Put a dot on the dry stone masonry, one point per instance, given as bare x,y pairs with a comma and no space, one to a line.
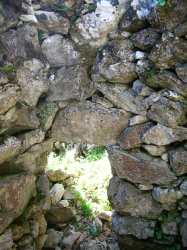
104,72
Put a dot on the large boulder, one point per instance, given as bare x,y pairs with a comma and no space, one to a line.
89,123
138,167
16,192
127,199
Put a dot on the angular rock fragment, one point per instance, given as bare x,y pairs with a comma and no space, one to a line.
59,215
122,98
115,64
145,39
51,21
161,135
169,52
182,72
18,118
167,112
127,199
92,28
89,123
23,187
56,193
138,167
60,51
166,79
166,196
131,136
9,96
178,160
155,150
131,22
32,78
71,83
10,148
137,119
21,43
138,227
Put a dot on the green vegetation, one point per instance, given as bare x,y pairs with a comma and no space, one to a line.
8,68
91,174
95,154
41,36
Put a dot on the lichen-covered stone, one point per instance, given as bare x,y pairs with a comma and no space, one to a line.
6,240
32,79
178,160
169,52
167,112
51,21
122,98
21,43
71,83
161,135
131,136
92,28
60,51
127,199
145,39
166,196
89,123
115,64
138,167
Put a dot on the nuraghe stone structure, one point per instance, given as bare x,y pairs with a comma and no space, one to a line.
106,72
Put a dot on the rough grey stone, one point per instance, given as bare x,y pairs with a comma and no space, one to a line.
166,196
61,53
127,199
23,187
138,227
51,21
161,135
89,123
138,167
145,39
32,79
182,72
115,64
178,160
122,98
71,83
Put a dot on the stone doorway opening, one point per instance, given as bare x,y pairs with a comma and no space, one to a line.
81,214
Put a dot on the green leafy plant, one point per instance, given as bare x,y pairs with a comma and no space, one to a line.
95,153
8,68
84,205
41,36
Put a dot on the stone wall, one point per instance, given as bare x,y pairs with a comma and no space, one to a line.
102,72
